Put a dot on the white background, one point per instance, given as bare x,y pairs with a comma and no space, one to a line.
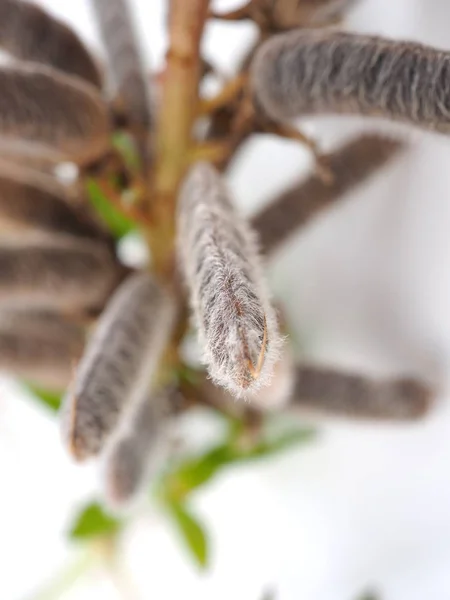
368,285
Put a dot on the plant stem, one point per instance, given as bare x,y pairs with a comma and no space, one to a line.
174,135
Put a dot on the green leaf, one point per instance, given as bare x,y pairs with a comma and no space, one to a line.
126,146
284,441
192,532
51,400
117,223
92,522
196,472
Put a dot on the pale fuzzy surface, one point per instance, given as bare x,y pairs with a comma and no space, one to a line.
278,393
40,347
118,363
139,449
30,208
219,258
45,112
124,58
69,276
324,72
22,25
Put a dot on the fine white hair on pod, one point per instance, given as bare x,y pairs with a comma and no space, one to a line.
219,258
308,72
118,364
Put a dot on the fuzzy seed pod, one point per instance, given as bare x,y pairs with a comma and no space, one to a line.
71,276
124,60
236,322
324,72
137,453
118,364
351,165
30,33
337,393
31,204
54,116
40,347
281,15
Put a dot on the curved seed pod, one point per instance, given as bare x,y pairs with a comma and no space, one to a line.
118,364
31,203
321,72
72,276
338,393
351,165
30,33
218,255
51,115
40,347
137,453
124,60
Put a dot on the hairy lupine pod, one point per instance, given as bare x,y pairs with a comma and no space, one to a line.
30,33
118,364
323,72
217,250
137,452
124,60
72,276
40,347
351,165
337,393
279,15
30,203
50,115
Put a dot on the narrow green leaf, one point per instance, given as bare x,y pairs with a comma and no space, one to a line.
280,443
126,147
192,532
196,472
117,223
51,400
93,521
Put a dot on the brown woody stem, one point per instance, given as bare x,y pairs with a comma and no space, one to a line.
174,136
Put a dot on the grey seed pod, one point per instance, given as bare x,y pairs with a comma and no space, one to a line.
323,72
218,255
124,60
30,33
279,15
70,276
40,347
138,452
54,116
118,364
336,393
31,204
351,164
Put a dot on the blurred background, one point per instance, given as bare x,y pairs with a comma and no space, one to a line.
366,286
